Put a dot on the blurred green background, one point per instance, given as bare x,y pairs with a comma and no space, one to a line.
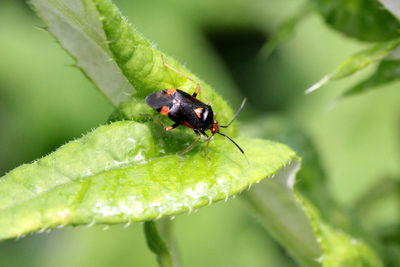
45,102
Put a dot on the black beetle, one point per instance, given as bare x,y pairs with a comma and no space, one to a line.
185,109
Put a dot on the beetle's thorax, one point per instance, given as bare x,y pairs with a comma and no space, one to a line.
207,118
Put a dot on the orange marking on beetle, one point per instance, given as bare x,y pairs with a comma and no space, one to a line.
198,112
164,110
171,91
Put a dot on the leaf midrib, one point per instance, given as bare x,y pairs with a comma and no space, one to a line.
84,27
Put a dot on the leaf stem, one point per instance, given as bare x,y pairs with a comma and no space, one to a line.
160,240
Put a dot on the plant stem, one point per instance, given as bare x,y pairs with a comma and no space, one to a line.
160,240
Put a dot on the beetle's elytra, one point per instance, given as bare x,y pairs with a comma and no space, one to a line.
185,109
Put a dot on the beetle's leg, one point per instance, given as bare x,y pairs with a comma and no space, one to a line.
205,151
204,133
192,144
197,90
208,142
169,128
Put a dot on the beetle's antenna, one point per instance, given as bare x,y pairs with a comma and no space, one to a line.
241,150
236,115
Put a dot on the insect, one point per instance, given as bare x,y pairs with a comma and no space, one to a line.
185,109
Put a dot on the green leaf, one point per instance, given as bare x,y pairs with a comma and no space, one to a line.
130,171
283,217
358,62
289,217
339,248
116,57
311,177
122,173
366,20
297,226
77,27
142,64
388,71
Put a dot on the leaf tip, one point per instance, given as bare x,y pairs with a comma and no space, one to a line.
317,85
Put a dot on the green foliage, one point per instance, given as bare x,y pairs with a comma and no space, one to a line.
339,248
142,64
358,62
121,173
157,244
365,20
387,71
130,170
306,236
86,43
312,176
291,228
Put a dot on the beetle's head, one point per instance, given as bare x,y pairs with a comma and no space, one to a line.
214,127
